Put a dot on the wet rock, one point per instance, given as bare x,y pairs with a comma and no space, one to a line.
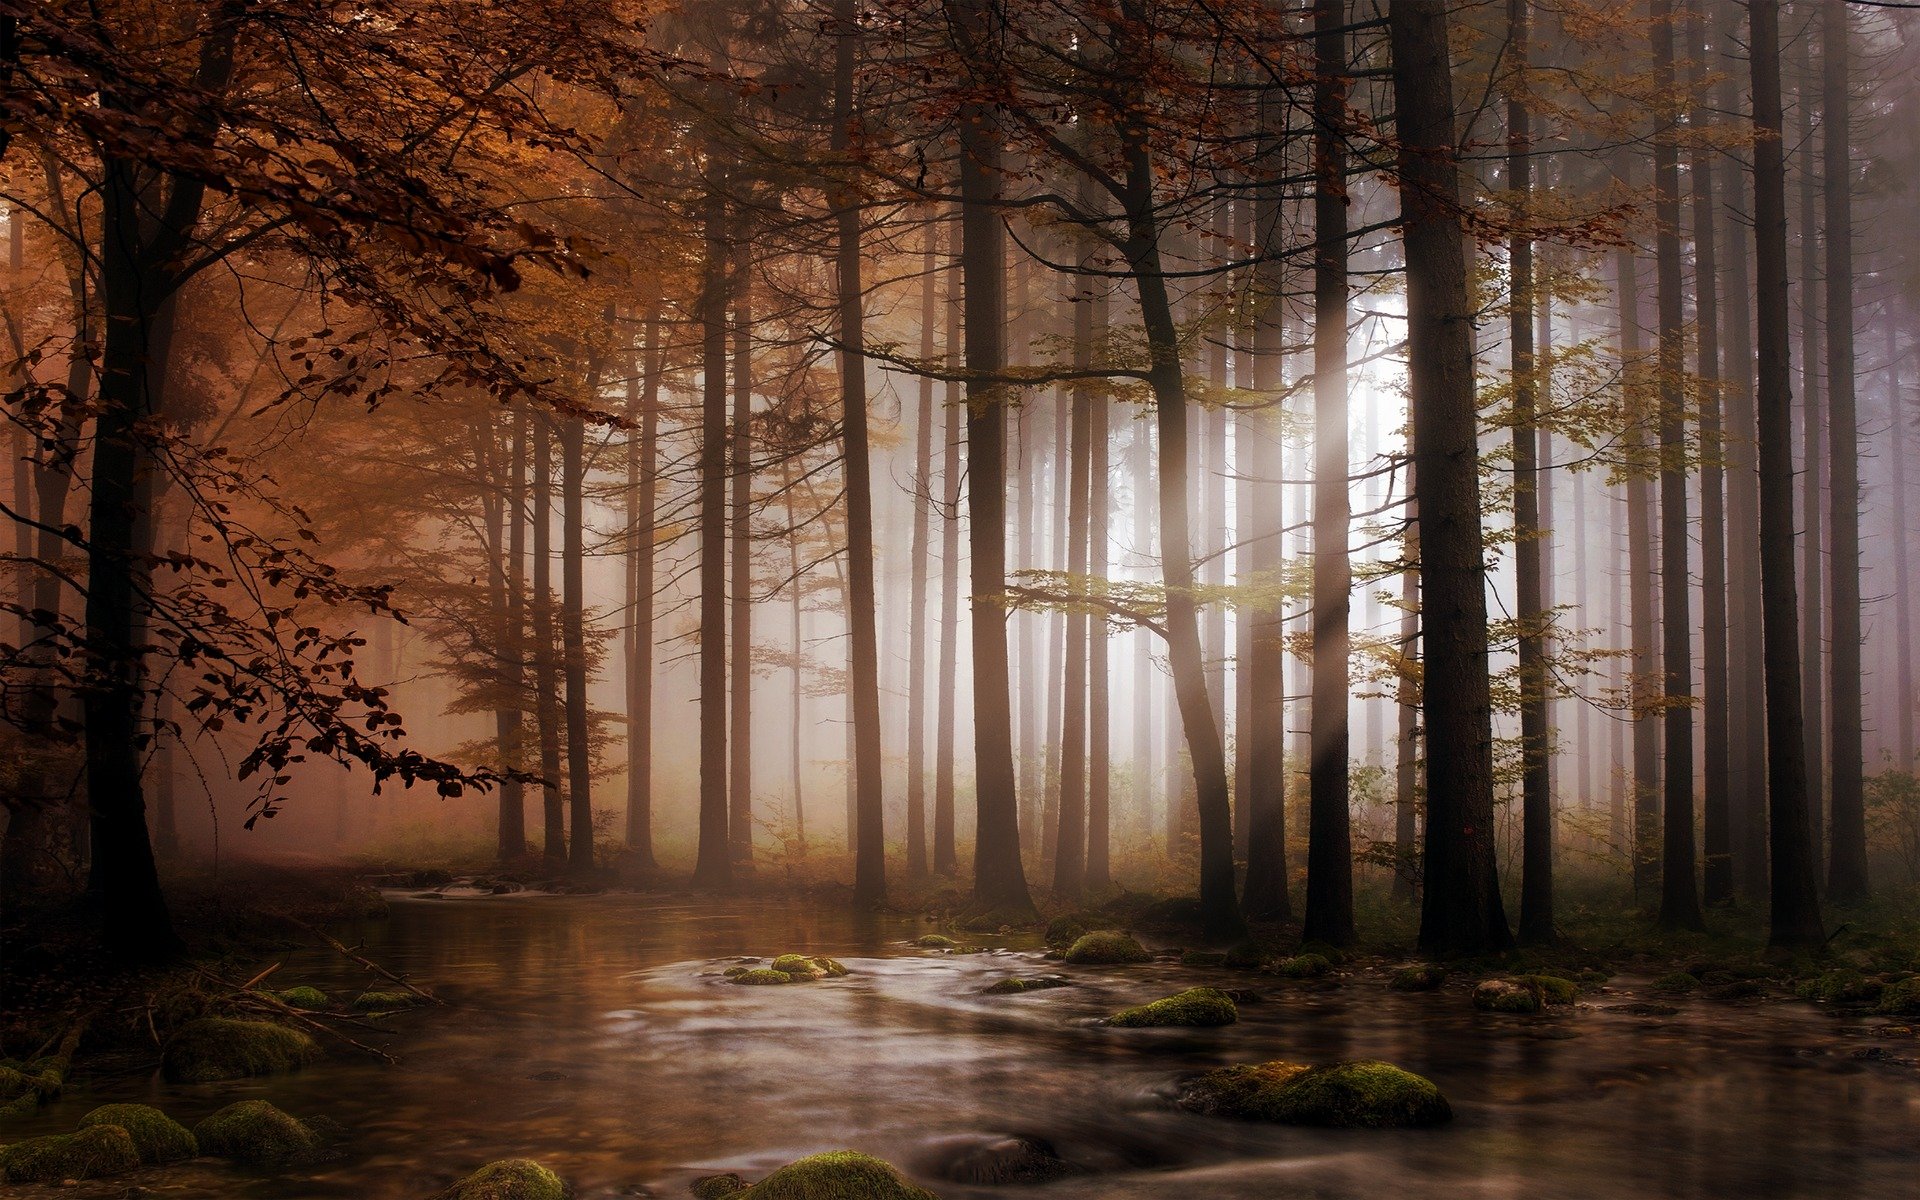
215,1048
1106,947
1553,989
255,1134
714,1187
1738,989
1305,966
1248,956
1065,931
309,998
1013,987
1004,1161
1677,983
92,1153
1195,1007
836,1175
1420,977
385,1001
508,1179
1345,1095
935,941
1507,996
761,977
1901,998
157,1137
1243,995
1333,954
1840,987
24,1087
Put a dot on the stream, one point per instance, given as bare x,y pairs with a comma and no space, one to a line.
597,1035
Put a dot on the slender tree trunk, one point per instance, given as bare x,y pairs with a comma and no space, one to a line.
1813,452
643,478
1795,901
917,617
945,854
714,862
1645,658
1070,844
1099,718
547,683
573,622
1847,867
1902,571
740,568
1461,913
1329,913
506,548
1406,697
1679,872
799,692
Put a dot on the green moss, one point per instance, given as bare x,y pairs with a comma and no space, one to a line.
836,1175
799,966
1106,947
1420,977
92,1153
1248,956
1676,983
736,972
1901,998
1345,1095
311,998
715,1187
1508,996
1065,931
1553,989
1305,966
384,1001
256,1134
508,1179
936,941
1203,1006
1590,977
1333,954
216,1048
24,1088
761,977
1013,987
157,1137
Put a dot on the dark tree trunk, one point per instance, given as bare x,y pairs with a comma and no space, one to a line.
1847,840
740,568
642,498
1644,670
1795,901
922,528
1099,720
1406,698
546,671
1329,913
573,627
713,866
1461,913
1813,452
510,606
1070,842
1679,872
1904,698
945,854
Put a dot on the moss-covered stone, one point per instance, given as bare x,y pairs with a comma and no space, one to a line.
1346,1095
836,1175
1508,996
310,998
508,1179
157,1137
384,1001
1013,987
1202,1006
1333,954
762,977
1009,1161
800,967
1065,931
717,1187
1553,988
1106,947
256,1134
1248,956
1420,977
1840,987
1305,966
1901,998
216,1048
1677,983
25,1087
93,1153
935,941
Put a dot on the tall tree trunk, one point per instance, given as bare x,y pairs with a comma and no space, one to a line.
1461,913
1329,914
1643,693
1847,866
1795,901
1902,571
573,624
799,654
1679,872
917,617
740,567
1406,698
546,670
713,865
510,609
999,879
1070,843
1536,779
643,478
945,855
1099,718
1813,452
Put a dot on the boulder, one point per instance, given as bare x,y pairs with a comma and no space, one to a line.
93,1153
1202,1006
385,1001
1006,1160
935,941
1013,987
1344,1095
1305,966
715,1187
255,1134
508,1179
157,1137
1553,989
1508,996
215,1048
1420,977
1106,947
836,1175
1901,998
310,998
760,977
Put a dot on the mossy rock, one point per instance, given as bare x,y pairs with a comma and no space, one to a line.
716,1187
1738,989
1065,931
93,1153
935,941
1203,958
25,1087
1195,1007
799,966
1106,947
761,977
508,1179
1591,977
1676,983
1553,988
836,1175
1901,998
157,1137
255,1134
1248,956
385,1001
309,998
1333,954
1420,977
1305,966
1013,987
1346,1095
216,1048
1508,996
1009,1161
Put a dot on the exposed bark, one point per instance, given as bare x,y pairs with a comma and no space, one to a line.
740,567
573,631
1644,659
1070,842
714,864
643,468
1099,717
546,670
917,614
510,606
945,857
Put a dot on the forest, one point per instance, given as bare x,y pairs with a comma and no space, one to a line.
893,599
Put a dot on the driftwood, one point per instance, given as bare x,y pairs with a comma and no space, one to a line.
364,961
279,1007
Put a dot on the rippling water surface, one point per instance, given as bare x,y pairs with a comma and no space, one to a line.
597,1035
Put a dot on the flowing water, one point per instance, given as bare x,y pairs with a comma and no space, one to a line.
597,1035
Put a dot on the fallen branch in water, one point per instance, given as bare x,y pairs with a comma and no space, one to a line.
273,1004
364,961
